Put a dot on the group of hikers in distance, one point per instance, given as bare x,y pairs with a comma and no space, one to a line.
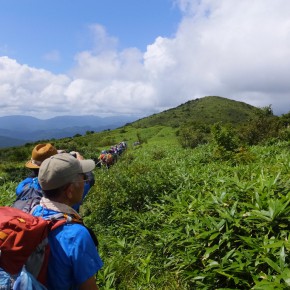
54,191
109,157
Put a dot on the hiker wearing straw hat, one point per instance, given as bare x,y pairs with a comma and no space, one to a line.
29,191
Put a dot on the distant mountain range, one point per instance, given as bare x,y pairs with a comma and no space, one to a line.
18,130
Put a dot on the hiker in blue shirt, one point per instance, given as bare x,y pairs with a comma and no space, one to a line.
39,153
74,259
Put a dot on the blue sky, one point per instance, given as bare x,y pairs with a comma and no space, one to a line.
139,57
47,34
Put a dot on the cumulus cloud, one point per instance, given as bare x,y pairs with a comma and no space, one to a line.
29,91
235,49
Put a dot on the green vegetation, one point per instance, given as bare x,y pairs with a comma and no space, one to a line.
174,214
208,110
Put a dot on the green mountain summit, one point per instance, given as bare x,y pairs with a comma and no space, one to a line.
207,110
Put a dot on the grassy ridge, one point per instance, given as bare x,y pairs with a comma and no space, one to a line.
207,110
173,218
169,217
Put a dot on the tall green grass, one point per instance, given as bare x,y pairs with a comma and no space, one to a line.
183,219
173,218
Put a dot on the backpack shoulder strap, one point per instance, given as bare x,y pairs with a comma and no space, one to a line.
60,219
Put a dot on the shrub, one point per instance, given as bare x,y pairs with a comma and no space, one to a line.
258,130
225,138
190,138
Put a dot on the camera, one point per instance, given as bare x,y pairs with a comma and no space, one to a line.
73,153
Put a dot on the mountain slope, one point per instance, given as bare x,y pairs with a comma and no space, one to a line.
207,110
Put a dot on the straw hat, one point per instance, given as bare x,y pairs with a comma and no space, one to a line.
39,153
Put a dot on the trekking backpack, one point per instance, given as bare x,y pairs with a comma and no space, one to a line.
24,244
28,198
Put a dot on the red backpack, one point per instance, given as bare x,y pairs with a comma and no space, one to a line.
24,241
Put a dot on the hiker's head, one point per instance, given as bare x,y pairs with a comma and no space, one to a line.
64,173
39,153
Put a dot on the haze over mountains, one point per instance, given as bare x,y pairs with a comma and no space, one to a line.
18,130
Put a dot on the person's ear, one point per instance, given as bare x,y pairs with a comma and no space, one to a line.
69,191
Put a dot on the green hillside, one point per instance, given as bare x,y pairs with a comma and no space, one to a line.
207,110
171,217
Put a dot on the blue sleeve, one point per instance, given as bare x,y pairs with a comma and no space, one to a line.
87,187
73,257
33,182
91,178
85,257
20,186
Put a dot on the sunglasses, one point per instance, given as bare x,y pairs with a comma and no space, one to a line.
84,178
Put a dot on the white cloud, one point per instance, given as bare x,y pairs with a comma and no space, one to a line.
101,40
29,91
235,49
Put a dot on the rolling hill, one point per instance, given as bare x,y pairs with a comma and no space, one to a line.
207,110
18,130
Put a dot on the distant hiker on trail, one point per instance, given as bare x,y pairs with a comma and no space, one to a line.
74,259
28,191
107,159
